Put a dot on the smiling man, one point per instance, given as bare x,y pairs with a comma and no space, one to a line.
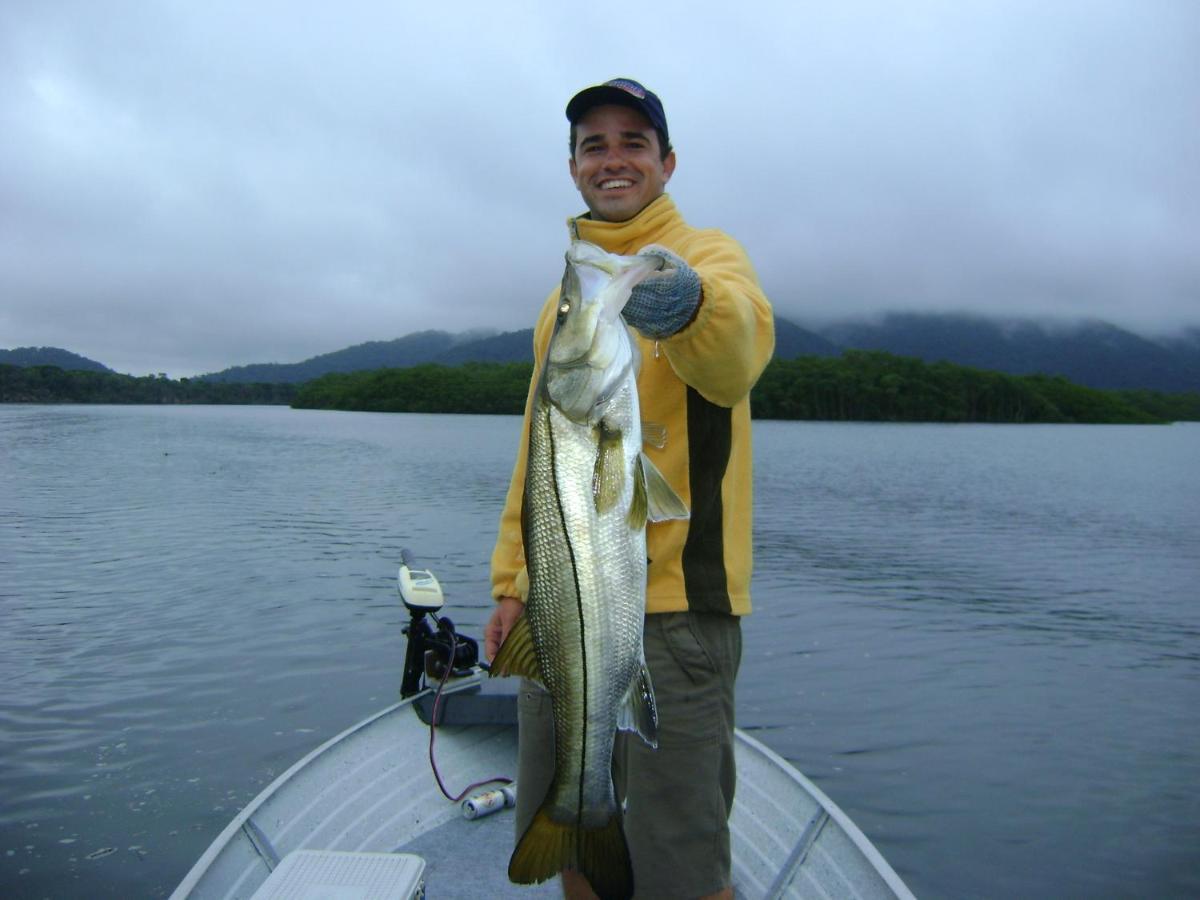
706,334
620,162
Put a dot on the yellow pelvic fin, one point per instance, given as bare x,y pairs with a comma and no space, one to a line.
608,476
637,506
599,854
516,655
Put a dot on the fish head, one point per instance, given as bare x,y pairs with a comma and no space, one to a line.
590,350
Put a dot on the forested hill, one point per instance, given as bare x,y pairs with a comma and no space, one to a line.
857,386
50,384
1093,353
410,350
870,385
50,356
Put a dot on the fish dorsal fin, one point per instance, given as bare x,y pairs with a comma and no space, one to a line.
516,655
654,434
608,476
662,503
638,712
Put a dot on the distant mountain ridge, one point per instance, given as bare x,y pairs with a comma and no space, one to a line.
791,341
1093,354
451,350
50,356
401,353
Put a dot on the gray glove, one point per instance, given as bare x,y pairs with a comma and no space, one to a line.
665,301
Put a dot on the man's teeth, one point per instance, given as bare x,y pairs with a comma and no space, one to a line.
615,183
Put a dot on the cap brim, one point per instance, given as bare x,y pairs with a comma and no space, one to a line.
601,95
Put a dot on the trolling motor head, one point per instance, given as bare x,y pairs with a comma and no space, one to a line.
429,652
419,589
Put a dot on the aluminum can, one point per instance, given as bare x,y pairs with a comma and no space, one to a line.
489,802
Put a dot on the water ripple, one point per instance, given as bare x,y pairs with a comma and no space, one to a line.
959,631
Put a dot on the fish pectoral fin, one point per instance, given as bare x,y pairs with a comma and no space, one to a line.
662,502
516,655
638,712
654,434
601,855
608,475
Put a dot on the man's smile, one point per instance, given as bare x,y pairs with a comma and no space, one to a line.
610,184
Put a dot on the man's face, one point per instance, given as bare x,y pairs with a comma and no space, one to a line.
617,165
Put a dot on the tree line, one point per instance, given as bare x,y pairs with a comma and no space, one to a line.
857,386
50,384
868,385
474,387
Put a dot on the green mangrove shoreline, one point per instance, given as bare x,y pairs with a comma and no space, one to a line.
863,386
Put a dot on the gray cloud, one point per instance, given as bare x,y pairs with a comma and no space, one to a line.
191,186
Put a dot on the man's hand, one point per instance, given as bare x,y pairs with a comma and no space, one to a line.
504,616
667,300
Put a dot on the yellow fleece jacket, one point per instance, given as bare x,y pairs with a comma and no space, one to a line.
697,384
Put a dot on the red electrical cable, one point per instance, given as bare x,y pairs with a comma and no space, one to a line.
437,703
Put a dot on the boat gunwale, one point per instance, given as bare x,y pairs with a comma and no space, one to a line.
227,835
855,834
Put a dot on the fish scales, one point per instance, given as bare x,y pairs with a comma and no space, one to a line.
587,573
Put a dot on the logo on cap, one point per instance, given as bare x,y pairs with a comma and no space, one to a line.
629,87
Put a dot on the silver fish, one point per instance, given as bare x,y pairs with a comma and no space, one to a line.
589,492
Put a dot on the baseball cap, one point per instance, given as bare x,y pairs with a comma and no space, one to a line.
625,92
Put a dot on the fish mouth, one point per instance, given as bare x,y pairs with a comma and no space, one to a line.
575,362
587,257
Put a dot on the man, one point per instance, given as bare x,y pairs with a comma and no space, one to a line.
706,334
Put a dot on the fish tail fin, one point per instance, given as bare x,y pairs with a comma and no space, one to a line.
638,712
604,860
544,850
599,854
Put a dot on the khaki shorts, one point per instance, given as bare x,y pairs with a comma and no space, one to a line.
678,797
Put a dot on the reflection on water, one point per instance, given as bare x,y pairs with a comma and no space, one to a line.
980,640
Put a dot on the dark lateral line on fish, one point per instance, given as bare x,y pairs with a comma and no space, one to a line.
562,519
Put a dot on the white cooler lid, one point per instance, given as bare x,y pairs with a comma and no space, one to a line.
341,875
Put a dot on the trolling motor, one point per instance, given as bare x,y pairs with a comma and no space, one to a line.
431,652
439,655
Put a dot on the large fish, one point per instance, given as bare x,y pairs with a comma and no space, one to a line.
589,492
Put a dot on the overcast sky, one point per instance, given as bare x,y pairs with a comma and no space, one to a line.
186,186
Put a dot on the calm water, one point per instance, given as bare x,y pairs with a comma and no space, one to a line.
981,641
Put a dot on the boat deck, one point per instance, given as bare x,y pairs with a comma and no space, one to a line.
370,790
490,839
